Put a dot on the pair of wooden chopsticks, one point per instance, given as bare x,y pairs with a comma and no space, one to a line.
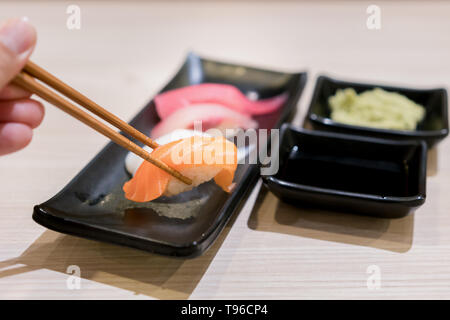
26,80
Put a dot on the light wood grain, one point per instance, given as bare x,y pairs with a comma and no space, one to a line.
271,249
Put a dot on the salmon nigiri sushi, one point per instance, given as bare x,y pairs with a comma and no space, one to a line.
198,158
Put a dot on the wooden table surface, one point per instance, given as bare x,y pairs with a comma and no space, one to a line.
126,51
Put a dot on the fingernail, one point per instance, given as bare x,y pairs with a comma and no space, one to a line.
17,35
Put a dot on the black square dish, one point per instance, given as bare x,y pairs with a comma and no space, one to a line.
93,205
432,129
369,176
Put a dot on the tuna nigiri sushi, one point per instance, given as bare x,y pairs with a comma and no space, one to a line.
198,158
215,93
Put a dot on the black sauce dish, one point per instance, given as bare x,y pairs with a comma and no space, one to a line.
432,129
368,176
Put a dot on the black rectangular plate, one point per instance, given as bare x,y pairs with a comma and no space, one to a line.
432,129
93,205
369,176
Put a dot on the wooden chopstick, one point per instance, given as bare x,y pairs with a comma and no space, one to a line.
27,82
49,79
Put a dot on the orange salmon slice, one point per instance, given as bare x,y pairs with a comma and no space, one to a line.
191,156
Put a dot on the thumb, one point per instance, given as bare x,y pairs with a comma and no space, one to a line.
17,41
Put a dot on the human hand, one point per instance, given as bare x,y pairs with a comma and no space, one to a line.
19,114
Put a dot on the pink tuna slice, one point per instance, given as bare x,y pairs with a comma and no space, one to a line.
209,114
224,94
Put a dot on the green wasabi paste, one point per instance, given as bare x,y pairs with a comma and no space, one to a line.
375,108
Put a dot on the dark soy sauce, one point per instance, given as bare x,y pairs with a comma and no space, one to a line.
351,174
